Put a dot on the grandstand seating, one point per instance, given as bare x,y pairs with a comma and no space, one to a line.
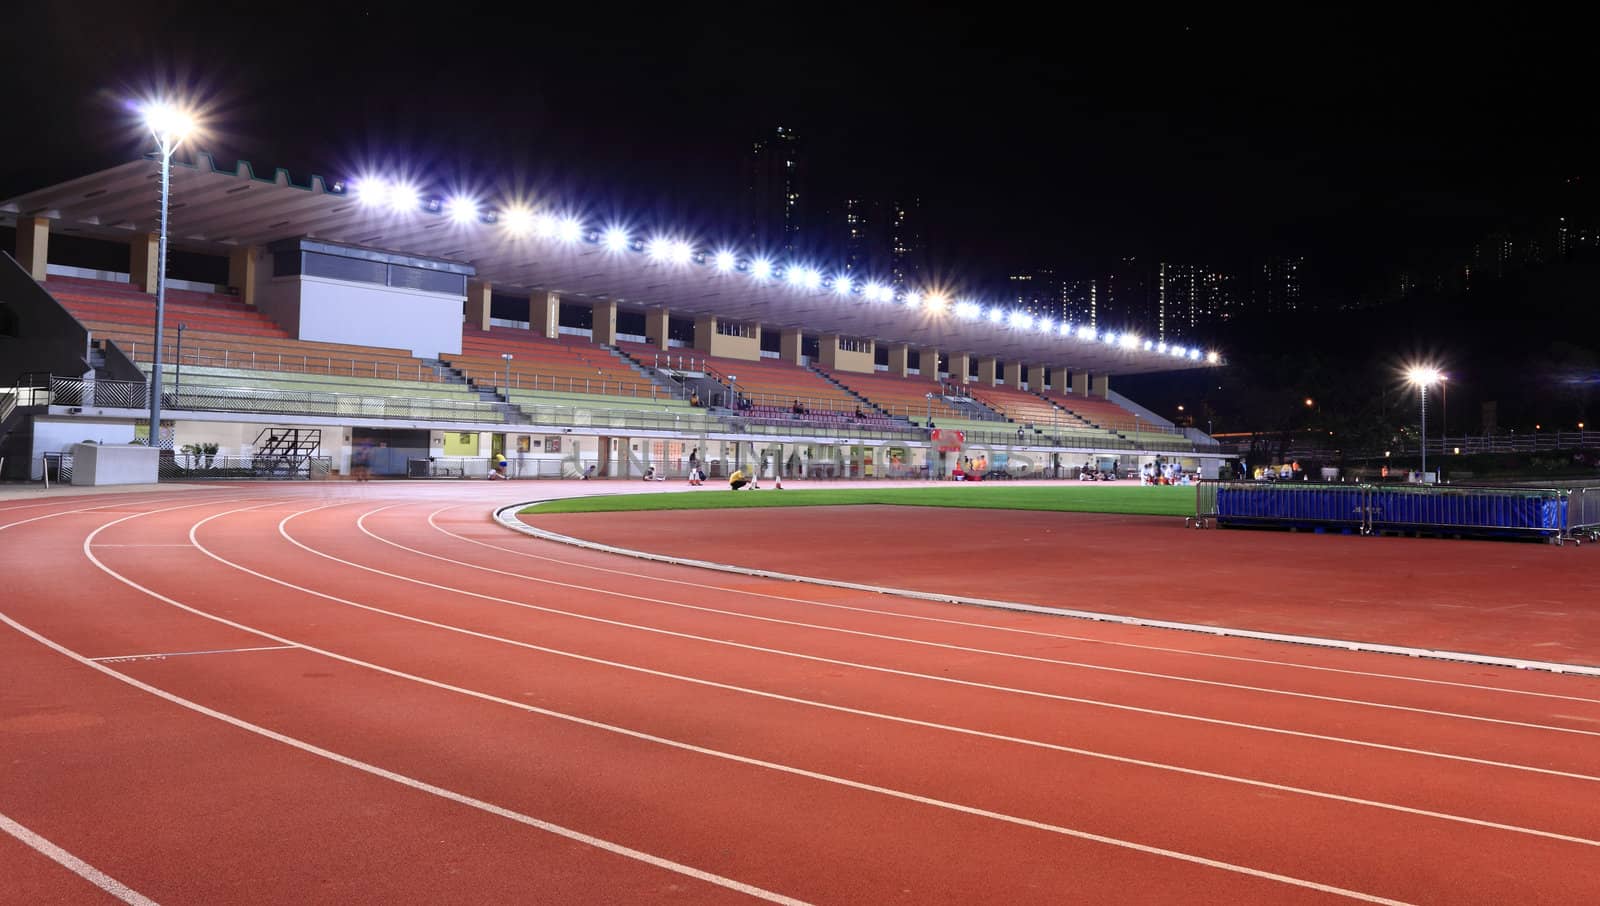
906,397
569,365
1104,413
260,390
770,383
220,332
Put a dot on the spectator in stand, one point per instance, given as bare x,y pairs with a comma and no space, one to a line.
744,404
799,409
694,398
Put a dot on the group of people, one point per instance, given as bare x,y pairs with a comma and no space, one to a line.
1166,474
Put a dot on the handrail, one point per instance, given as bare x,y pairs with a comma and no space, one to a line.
304,363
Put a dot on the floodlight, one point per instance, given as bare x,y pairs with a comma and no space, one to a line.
842,284
461,210
871,291
680,252
1019,319
403,197
1161,347
1130,340
996,315
1067,329
168,122
1149,345
761,269
372,193
1045,325
1194,353
1110,337
724,261
1213,358
518,220
615,239
569,229
1086,332
1422,375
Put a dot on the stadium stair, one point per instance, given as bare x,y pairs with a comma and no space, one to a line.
830,379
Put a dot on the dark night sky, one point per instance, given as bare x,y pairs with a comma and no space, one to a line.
1355,139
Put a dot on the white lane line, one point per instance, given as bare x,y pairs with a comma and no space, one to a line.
510,522
858,666
701,750
74,864
141,545
992,627
90,509
947,646
966,731
413,783
125,658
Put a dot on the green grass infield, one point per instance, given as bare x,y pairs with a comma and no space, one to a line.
1131,500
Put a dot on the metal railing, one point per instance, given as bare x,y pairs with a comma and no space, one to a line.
643,388
208,467
132,395
302,363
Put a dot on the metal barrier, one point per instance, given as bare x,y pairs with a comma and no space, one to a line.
197,467
1554,514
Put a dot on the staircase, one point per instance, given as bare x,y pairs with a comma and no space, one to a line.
676,387
285,452
871,406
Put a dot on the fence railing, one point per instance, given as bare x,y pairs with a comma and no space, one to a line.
134,395
300,363
206,467
643,388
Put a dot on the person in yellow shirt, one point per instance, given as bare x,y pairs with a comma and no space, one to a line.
737,480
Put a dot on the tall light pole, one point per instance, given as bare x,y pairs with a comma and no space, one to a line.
507,357
177,383
1421,377
1444,411
169,125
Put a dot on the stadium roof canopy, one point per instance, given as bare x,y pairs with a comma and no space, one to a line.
216,210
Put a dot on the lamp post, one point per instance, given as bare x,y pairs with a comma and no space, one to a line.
1421,378
1444,411
177,381
507,356
169,126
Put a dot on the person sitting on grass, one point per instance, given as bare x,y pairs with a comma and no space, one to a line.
737,480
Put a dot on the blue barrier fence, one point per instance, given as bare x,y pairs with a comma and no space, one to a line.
1552,513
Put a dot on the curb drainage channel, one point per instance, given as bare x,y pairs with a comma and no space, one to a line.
506,516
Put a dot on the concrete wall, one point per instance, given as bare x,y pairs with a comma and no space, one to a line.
101,464
58,435
830,356
48,339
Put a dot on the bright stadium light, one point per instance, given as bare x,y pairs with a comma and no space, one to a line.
996,315
1162,346
403,198
1086,332
1149,345
870,291
913,299
372,193
936,303
1130,340
569,229
668,251
968,311
805,277
545,226
518,220
1422,377
1045,325
842,284
1019,319
169,123
761,269
461,210
1110,337
724,261
1213,357
1194,353
1067,329
615,239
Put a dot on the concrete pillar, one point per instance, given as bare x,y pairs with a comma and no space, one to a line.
1080,383
33,245
986,370
960,364
655,328
143,251
789,345
604,323
478,303
930,363
899,359
1035,375
1102,386
828,351
1013,374
242,273
544,315
705,327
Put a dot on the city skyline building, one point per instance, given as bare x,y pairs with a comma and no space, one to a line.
776,193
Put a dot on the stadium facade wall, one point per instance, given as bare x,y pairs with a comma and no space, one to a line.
336,311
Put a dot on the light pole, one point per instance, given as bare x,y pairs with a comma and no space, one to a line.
1444,411
169,125
1421,378
177,382
507,357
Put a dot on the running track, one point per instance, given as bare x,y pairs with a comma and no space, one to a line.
371,693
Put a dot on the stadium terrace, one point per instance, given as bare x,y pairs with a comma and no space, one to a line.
357,315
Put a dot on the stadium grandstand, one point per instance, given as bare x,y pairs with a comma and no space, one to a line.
356,320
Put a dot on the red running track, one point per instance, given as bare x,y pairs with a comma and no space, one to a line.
374,694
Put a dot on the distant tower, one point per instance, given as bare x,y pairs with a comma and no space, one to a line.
905,240
775,193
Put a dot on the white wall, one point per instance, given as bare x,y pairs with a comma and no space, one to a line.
338,312
58,435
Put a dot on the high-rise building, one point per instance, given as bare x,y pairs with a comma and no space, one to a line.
1188,296
861,227
1279,289
776,193
1037,292
1128,302
906,251
1080,301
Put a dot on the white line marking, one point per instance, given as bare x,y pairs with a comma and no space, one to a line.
1120,759
74,864
888,670
141,545
992,627
123,658
402,779
947,646
1314,641
647,737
